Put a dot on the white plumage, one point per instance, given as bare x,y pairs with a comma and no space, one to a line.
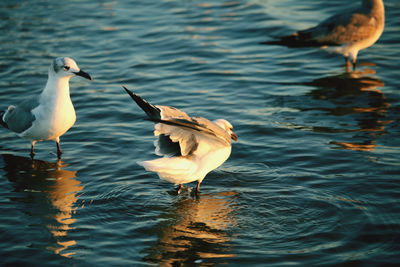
191,146
50,114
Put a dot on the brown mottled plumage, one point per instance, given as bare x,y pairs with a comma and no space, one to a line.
344,33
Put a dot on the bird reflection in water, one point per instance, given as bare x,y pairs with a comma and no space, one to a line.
195,231
55,192
356,95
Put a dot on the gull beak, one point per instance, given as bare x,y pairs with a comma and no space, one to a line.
234,136
83,74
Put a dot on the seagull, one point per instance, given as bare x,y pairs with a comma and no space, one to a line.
344,33
49,115
191,146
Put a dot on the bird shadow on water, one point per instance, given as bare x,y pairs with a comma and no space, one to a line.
353,96
195,230
49,194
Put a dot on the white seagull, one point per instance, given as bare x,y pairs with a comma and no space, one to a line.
344,33
191,146
50,114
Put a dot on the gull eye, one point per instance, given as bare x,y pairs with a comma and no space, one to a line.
66,68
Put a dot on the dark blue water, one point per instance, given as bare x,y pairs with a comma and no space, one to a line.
313,180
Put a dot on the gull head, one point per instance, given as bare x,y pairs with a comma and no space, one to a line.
227,126
66,67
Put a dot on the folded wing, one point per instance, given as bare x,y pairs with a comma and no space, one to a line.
340,29
20,118
337,30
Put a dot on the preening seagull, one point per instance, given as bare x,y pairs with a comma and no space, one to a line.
191,146
50,114
344,33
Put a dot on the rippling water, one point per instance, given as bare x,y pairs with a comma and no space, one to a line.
313,180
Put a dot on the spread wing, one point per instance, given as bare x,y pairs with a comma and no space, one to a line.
189,133
20,118
178,134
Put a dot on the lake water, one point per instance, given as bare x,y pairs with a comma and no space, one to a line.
313,180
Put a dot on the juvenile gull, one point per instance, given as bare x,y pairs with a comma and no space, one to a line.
344,33
50,114
191,146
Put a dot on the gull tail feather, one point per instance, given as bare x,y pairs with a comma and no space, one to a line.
152,111
175,170
2,122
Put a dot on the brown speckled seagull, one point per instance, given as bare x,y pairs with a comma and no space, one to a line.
344,33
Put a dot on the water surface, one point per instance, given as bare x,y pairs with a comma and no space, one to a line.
313,179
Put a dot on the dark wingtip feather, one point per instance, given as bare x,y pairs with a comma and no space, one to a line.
276,42
288,40
152,111
299,39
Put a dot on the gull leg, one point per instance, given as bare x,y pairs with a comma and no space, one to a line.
176,191
347,63
179,189
32,150
196,192
59,152
354,59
